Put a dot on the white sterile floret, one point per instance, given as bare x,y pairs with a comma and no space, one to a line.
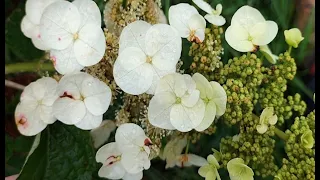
265,50
173,149
30,22
146,53
189,23
186,160
102,133
134,146
214,15
82,100
249,29
110,157
267,117
34,112
176,104
73,33
214,97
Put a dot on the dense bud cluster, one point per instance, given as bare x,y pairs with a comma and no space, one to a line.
207,55
255,149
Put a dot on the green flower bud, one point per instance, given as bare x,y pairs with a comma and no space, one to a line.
293,37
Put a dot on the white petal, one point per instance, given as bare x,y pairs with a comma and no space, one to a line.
112,171
263,33
70,85
209,116
247,17
273,120
89,121
39,44
268,54
27,118
35,8
164,46
197,160
27,27
266,114
110,149
159,110
69,111
89,11
185,119
237,37
91,45
167,83
46,114
131,72
136,176
64,61
129,136
198,24
97,95
179,16
34,91
219,8
203,86
58,24
215,20
204,6
133,35
219,97
262,128
180,86
191,84
134,161
102,133
174,148
157,75
190,99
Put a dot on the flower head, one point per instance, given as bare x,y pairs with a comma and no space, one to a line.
293,37
101,134
176,104
215,98
210,169
73,33
214,15
34,112
265,50
189,23
307,139
82,100
267,117
146,53
249,29
238,170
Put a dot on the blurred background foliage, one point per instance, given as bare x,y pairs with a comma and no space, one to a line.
19,49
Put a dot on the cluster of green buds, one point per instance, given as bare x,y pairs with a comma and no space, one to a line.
207,55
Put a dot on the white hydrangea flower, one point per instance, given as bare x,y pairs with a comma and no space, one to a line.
134,146
31,21
82,100
214,97
34,112
146,53
173,149
102,133
73,33
238,170
249,29
210,170
265,50
187,20
267,117
214,15
176,104
110,156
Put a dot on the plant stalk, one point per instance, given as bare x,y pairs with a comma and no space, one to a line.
28,67
281,134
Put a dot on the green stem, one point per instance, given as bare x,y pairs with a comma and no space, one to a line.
124,4
281,134
166,8
28,67
187,148
290,48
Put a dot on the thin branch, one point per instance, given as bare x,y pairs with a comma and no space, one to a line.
14,85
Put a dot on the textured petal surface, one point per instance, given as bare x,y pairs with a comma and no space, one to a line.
113,171
179,16
237,37
35,8
164,46
133,35
89,121
27,27
247,17
157,75
204,170
90,47
46,114
110,149
266,114
102,133
238,170
203,86
37,40
69,111
159,110
131,72
185,119
167,83
197,160
134,161
263,33
136,176
197,24
58,24
89,12
173,149
64,61
209,116
273,120
219,97
27,118
215,20
204,6
128,136
190,99
262,128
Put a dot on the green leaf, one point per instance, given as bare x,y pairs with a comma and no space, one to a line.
20,45
65,152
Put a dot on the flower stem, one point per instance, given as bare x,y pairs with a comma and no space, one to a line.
166,8
187,148
124,4
290,48
28,67
281,134
14,85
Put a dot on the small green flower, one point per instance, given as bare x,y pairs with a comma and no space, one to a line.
293,37
267,117
307,139
210,170
238,170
